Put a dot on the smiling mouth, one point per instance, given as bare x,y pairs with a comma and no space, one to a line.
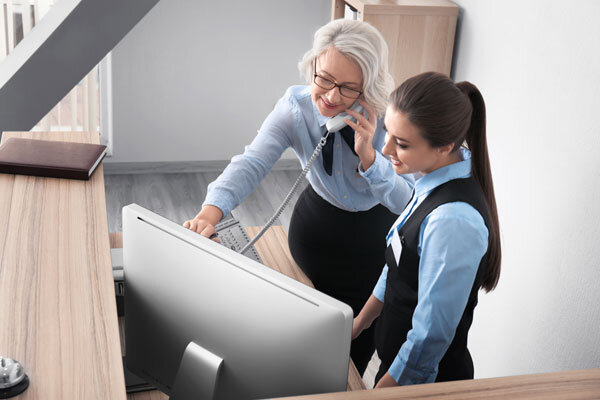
328,104
395,162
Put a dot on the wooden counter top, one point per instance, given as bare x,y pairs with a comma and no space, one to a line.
58,309
582,384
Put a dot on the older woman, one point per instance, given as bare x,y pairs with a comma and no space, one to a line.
338,227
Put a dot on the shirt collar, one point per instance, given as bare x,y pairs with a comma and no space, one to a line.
460,169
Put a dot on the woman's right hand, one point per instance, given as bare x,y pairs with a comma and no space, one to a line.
203,227
204,223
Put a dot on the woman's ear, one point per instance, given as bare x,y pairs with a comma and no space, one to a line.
445,150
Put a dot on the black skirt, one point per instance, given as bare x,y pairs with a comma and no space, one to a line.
342,253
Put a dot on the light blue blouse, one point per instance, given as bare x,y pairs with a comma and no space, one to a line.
296,122
452,240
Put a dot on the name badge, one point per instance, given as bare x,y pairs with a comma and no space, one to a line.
396,245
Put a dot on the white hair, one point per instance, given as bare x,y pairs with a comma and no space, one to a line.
362,43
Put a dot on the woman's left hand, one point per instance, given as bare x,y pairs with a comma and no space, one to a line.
364,130
386,381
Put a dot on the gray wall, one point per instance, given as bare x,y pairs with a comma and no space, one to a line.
536,63
195,79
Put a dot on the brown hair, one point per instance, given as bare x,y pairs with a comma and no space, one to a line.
447,113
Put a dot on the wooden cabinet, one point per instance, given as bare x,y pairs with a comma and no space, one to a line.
419,33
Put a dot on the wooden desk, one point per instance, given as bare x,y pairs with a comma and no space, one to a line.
583,384
58,310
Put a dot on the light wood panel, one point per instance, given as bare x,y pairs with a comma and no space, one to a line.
583,384
419,33
58,310
115,240
404,7
417,43
337,9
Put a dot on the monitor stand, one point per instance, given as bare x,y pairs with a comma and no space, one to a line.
197,374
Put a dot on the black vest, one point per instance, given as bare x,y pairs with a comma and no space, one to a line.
401,293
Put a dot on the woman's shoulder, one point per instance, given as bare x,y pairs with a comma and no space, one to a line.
289,110
459,214
294,101
298,93
297,100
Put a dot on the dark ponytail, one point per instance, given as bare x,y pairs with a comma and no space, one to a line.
476,139
448,113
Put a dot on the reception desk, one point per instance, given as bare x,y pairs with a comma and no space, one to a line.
58,311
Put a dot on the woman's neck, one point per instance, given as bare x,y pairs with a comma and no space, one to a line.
451,158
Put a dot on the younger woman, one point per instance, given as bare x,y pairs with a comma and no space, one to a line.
445,245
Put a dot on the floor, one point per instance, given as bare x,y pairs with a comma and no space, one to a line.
179,197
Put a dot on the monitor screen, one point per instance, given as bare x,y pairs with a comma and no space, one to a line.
275,336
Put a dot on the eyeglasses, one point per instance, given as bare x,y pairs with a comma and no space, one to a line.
328,84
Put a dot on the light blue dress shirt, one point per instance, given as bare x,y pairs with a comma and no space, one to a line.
452,240
296,122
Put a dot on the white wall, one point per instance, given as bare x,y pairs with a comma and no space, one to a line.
195,79
537,64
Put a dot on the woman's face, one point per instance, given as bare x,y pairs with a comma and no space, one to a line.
338,68
406,148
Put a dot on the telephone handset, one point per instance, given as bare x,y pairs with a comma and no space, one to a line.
335,124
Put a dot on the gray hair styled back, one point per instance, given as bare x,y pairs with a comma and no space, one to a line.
362,43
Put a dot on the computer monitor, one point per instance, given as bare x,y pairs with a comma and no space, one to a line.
250,331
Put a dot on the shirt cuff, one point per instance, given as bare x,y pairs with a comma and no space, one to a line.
220,199
379,291
377,171
405,375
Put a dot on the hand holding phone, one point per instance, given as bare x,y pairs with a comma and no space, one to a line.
364,130
339,121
